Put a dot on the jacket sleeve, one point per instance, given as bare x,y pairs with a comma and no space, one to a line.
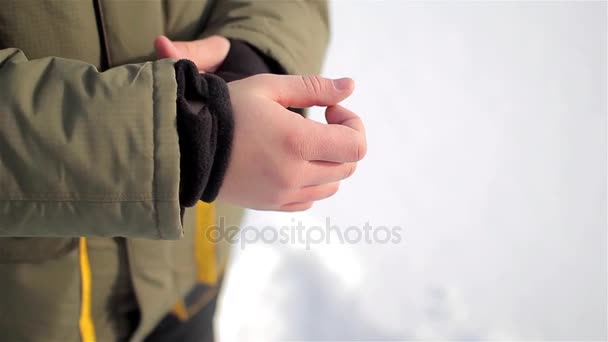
293,33
88,153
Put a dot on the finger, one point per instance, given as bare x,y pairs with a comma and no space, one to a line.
322,172
165,49
339,115
207,54
305,91
334,142
296,206
315,192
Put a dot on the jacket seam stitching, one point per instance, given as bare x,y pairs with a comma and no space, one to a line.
86,200
85,196
155,150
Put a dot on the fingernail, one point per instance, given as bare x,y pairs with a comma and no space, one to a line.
342,83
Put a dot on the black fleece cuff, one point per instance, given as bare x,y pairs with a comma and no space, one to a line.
205,128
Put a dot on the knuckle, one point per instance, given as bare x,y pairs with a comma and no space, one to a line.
314,84
351,153
350,170
258,80
306,206
325,191
217,37
297,207
264,77
276,198
294,144
334,189
317,193
285,180
189,49
361,149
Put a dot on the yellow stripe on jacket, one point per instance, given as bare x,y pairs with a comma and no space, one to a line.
87,329
204,247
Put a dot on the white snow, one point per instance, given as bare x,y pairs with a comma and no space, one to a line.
487,145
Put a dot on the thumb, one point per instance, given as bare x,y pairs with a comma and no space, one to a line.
166,49
206,53
306,91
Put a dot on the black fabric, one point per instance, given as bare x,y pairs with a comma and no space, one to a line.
218,91
244,60
205,128
200,303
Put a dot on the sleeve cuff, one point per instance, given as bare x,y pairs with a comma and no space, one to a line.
205,127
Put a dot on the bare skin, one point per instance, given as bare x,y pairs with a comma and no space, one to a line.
208,54
281,161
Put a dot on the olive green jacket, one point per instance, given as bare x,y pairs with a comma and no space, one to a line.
89,148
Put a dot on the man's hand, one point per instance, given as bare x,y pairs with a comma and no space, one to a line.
281,161
208,54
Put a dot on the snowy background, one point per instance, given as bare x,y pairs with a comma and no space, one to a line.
487,145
